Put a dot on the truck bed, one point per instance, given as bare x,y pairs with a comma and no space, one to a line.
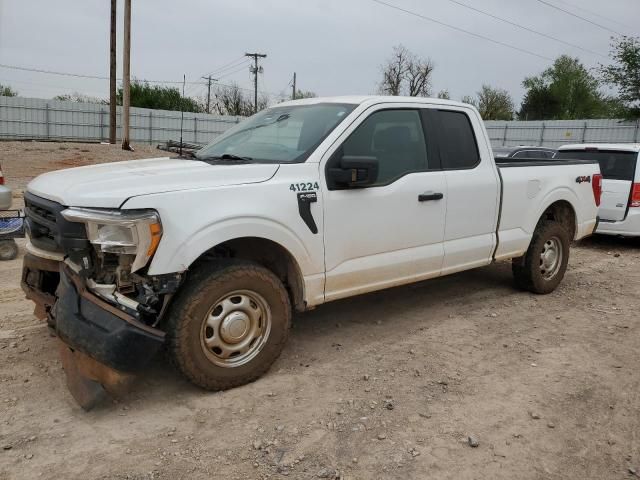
523,180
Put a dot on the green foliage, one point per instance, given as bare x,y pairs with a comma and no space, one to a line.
80,98
470,100
564,91
7,91
495,104
624,74
306,94
158,97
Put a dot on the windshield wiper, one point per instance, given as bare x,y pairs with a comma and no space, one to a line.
227,156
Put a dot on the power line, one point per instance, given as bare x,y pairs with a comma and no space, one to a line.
222,67
98,77
453,27
526,28
243,67
578,16
244,62
596,14
79,75
216,72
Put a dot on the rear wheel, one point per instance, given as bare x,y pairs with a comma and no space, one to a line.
228,324
543,267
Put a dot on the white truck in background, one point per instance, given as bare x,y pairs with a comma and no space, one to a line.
620,205
306,202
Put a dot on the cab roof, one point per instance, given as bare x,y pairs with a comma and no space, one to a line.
372,99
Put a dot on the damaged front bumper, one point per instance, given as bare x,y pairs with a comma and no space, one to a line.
89,324
101,346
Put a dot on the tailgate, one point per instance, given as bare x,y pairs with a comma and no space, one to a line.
614,199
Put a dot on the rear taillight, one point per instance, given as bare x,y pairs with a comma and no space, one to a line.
634,201
596,184
1,176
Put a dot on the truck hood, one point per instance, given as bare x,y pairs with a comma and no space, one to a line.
109,185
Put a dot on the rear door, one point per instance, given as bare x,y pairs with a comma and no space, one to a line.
472,190
618,171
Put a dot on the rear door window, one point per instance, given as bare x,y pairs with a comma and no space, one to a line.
613,165
457,141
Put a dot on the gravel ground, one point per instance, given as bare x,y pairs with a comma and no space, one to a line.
389,385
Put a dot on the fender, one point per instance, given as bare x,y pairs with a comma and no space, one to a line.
560,193
182,255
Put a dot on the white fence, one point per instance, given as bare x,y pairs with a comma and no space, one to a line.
38,119
553,133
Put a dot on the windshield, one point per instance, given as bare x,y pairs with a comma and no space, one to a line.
614,165
284,134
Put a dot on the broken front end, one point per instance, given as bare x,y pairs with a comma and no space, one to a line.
86,271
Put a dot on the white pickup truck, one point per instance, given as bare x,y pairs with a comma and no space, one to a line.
306,202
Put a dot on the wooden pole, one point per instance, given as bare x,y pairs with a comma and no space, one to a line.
293,93
112,75
126,98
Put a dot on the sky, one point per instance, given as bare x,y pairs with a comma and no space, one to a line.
335,47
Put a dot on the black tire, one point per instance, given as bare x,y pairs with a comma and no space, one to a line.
8,249
207,288
529,271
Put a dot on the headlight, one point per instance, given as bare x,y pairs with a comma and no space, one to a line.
134,232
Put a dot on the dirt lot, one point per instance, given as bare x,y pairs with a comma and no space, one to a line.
386,385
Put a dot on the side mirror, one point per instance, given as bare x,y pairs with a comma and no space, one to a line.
354,171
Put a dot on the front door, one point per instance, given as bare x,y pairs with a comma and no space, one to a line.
391,232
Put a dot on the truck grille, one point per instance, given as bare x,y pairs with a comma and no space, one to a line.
48,229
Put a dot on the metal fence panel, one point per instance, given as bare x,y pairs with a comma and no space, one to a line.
40,119
553,133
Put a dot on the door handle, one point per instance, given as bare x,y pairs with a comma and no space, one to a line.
425,197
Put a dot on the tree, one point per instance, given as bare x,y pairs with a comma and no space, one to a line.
232,100
7,91
405,73
564,91
80,98
470,100
158,97
624,74
444,94
495,104
306,94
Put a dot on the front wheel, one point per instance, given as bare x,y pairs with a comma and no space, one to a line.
543,267
228,324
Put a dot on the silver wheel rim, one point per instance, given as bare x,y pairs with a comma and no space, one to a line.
236,328
551,258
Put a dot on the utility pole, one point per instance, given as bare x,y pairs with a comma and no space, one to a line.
293,94
126,73
255,70
209,79
112,76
